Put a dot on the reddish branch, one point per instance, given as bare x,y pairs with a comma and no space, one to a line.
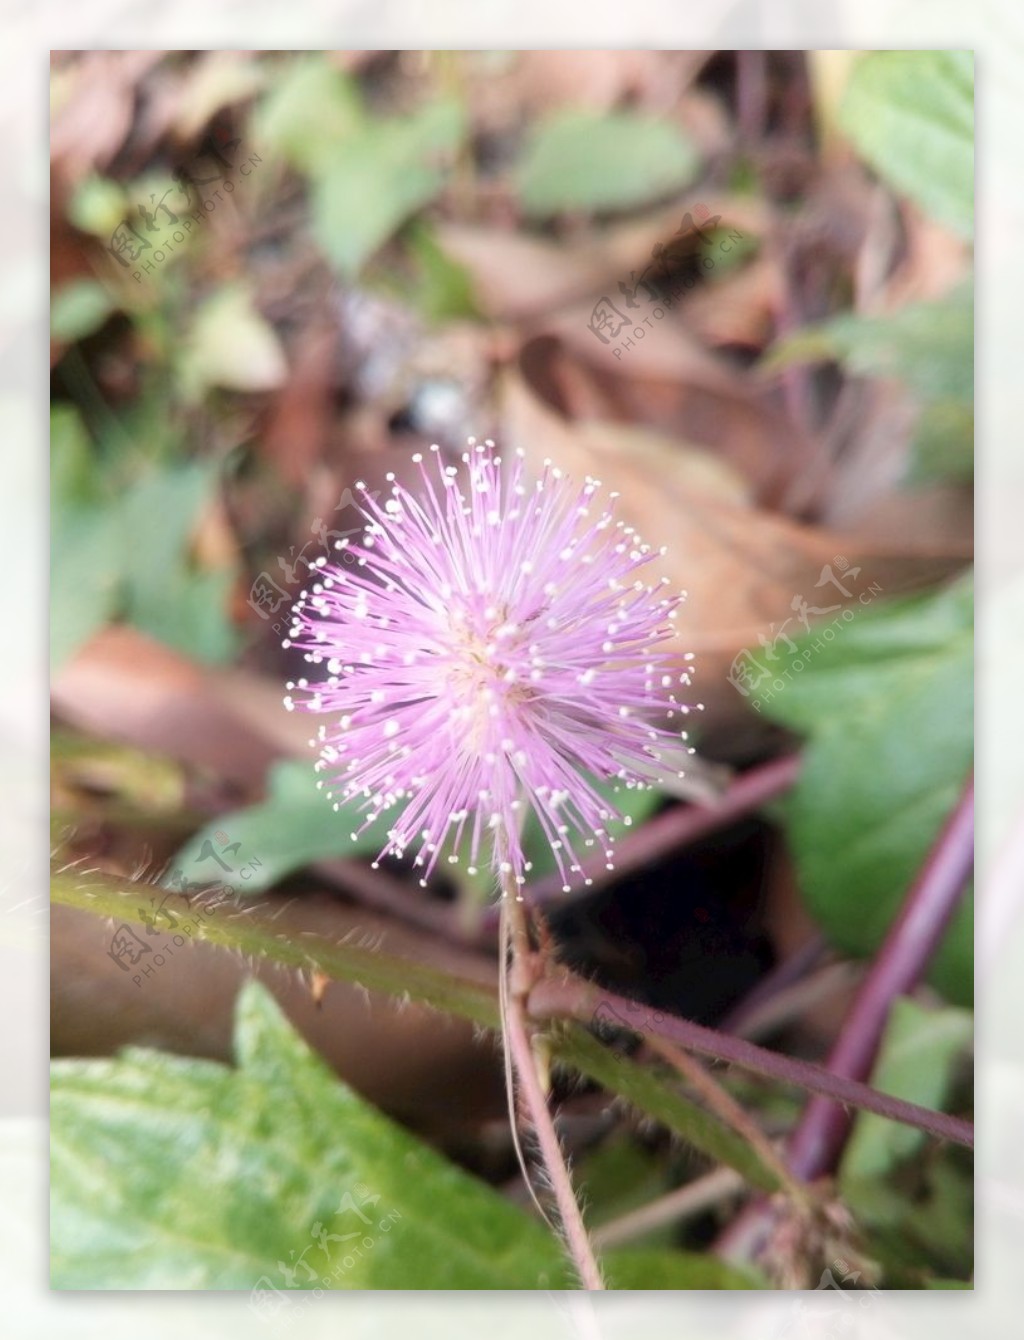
904,957
571,997
903,960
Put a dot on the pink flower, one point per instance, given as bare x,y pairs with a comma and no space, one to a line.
492,647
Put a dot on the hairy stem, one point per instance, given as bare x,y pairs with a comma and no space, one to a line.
524,1060
725,1106
570,997
909,945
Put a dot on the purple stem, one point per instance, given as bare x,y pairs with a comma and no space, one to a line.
569,997
751,94
904,957
818,1140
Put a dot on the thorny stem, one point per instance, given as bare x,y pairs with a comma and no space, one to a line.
571,997
517,1028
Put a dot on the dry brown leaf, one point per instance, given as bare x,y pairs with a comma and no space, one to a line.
517,276
674,384
741,566
217,79
95,109
739,309
123,685
533,82
297,430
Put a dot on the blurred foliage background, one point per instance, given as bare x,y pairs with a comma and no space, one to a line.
737,286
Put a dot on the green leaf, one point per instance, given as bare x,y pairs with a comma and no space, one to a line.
85,558
85,573
98,206
73,480
181,1174
920,1224
168,1173
930,348
944,443
255,930
79,309
888,706
110,560
661,1269
367,174
662,1099
231,345
295,826
622,1175
442,289
603,161
911,115
165,595
378,178
919,1051
310,109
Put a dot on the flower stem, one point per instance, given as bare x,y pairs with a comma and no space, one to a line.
518,1031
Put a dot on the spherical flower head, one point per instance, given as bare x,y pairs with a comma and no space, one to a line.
489,645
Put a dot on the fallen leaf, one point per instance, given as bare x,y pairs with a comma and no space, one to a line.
126,686
742,567
93,108
675,381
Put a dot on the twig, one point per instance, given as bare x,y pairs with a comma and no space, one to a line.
725,1106
566,996
693,1198
904,957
